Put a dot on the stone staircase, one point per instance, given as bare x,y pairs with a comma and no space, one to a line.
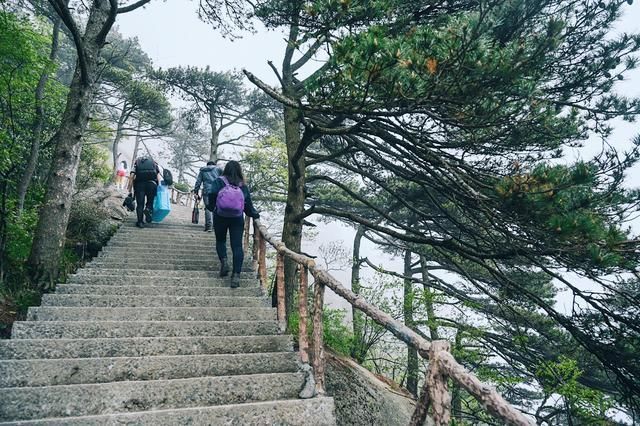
148,334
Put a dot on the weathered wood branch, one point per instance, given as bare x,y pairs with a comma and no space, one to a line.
486,395
446,364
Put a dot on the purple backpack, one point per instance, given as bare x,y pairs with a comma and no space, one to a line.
230,201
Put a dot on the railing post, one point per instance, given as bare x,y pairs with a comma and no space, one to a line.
245,242
435,391
438,388
255,249
262,263
282,317
303,337
317,336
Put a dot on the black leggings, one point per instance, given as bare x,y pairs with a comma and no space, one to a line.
235,225
144,189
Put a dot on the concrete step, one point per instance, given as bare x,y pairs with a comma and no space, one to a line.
114,278
161,240
292,412
130,396
182,252
143,273
163,226
207,254
153,290
142,346
101,329
51,372
150,301
151,264
149,233
150,314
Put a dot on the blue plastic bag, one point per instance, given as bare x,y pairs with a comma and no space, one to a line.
162,204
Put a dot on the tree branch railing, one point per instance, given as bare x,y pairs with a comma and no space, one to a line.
442,365
178,196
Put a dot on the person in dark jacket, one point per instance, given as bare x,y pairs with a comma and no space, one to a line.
206,177
144,180
232,199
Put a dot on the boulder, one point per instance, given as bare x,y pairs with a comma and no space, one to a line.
362,398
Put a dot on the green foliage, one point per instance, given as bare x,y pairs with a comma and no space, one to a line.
337,336
574,208
24,53
14,303
180,186
561,377
266,168
94,168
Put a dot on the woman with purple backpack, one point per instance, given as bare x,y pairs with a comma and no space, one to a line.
232,199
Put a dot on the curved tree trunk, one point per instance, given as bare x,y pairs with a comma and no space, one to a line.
49,238
38,124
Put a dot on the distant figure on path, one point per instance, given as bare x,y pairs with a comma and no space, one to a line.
206,178
232,198
121,175
144,179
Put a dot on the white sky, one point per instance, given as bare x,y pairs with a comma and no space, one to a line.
172,35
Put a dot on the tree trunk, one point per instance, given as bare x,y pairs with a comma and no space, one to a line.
49,237
134,156
428,300
38,123
213,148
292,229
116,140
407,308
456,392
3,227
358,351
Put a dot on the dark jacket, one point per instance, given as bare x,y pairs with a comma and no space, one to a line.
249,210
206,177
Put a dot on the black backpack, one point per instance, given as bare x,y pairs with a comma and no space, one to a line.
167,177
145,170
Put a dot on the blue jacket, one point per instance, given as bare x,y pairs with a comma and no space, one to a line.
206,177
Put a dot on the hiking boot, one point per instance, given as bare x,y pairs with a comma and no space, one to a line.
147,215
224,268
235,280
139,225
207,229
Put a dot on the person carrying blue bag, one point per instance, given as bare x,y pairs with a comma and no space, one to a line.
229,199
144,180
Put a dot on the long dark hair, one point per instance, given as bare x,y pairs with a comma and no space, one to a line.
233,173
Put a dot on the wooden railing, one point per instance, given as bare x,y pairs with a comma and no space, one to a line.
442,365
177,196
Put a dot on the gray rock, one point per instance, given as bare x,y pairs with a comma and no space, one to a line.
361,398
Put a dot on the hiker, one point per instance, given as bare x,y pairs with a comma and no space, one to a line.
229,198
144,179
121,175
206,177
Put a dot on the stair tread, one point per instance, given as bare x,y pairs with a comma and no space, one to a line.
155,340
264,412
